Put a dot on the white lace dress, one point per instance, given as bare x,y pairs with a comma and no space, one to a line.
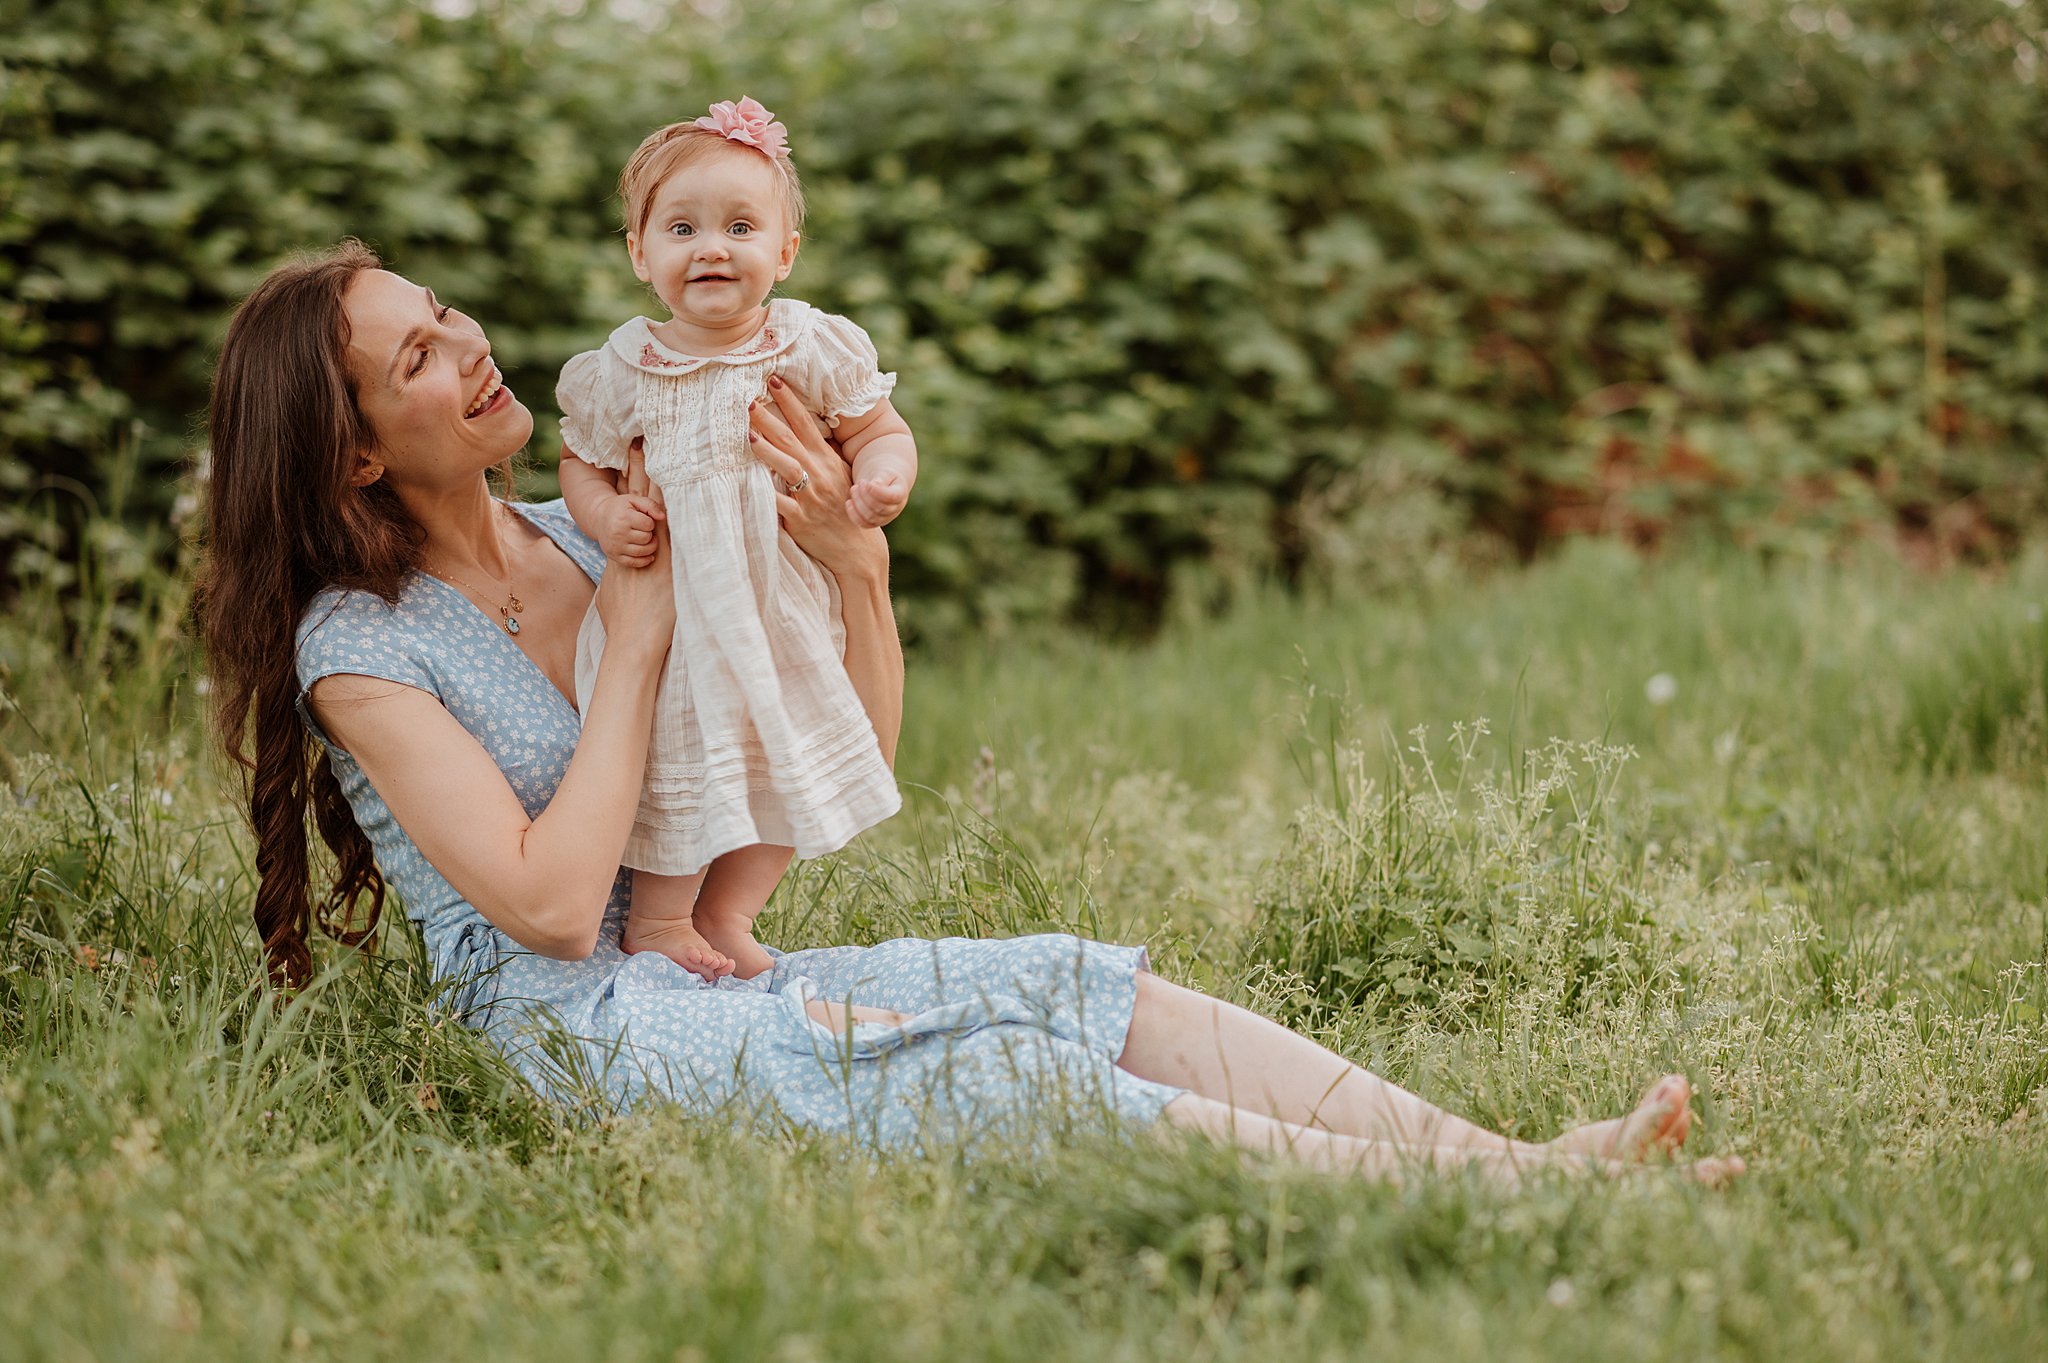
759,736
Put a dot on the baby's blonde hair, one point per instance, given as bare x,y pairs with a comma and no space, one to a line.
667,150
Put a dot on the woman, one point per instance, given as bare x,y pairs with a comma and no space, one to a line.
367,598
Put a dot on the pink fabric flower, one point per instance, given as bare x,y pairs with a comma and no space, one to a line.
748,122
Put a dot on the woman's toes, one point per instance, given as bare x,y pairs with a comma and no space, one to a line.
1718,1172
1671,1095
1659,1123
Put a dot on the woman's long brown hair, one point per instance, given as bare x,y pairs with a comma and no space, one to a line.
283,522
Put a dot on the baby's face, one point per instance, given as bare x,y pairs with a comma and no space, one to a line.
716,240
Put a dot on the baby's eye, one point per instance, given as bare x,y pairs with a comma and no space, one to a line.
741,229
681,229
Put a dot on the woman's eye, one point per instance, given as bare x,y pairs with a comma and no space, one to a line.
418,364
442,315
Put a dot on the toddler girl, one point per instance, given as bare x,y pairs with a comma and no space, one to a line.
761,749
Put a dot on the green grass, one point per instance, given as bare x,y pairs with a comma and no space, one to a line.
1449,833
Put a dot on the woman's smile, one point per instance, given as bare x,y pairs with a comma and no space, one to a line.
494,397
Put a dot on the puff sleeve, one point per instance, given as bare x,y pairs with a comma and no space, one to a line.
599,419
844,377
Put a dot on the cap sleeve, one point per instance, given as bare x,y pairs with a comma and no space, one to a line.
599,420
846,378
353,632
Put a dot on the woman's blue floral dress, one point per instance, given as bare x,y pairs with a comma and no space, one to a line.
1000,1032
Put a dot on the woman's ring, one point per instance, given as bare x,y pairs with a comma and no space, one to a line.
800,484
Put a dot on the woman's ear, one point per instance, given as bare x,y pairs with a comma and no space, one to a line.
368,470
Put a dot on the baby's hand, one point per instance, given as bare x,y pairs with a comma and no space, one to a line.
877,501
626,529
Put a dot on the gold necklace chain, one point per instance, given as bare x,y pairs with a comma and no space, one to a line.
508,613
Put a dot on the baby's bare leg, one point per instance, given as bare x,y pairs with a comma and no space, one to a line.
736,888
662,919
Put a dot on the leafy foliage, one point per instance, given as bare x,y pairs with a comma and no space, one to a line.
1249,284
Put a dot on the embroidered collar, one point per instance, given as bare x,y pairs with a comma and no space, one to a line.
636,344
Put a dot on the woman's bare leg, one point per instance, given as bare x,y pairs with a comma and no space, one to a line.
1337,1153
1241,1060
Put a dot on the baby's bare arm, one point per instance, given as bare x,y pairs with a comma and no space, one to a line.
620,519
586,488
883,453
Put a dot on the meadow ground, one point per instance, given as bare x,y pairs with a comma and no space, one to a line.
1520,842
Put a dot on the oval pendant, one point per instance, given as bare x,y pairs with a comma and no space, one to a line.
511,625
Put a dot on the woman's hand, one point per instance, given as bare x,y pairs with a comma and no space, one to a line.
638,604
790,442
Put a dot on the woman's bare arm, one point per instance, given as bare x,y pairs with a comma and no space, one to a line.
543,881
792,444
874,654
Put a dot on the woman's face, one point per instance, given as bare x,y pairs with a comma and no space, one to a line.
426,382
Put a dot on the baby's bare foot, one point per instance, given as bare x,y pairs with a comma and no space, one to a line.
679,940
1659,1125
735,938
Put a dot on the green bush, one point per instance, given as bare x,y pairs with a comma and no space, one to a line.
1209,283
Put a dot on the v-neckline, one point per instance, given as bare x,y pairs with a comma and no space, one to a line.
499,630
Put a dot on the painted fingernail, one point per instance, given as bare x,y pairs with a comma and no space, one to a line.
775,380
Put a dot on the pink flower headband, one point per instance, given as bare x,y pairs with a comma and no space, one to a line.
748,122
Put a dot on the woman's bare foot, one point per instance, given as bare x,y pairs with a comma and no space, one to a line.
1659,1125
1717,1172
679,940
